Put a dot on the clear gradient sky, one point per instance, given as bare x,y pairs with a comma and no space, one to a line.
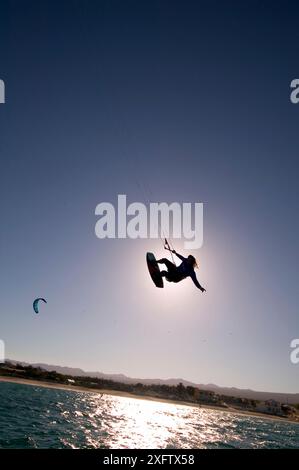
196,95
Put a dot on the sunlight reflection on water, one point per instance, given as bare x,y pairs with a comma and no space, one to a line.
49,418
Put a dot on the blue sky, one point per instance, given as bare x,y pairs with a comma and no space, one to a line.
192,100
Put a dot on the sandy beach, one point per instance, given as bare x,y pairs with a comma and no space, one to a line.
119,393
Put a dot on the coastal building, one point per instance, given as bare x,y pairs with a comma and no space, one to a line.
270,406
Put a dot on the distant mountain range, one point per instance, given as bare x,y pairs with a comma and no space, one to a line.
291,398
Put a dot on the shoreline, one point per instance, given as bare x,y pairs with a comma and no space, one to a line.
119,393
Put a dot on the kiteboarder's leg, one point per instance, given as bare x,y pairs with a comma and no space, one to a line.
170,266
170,275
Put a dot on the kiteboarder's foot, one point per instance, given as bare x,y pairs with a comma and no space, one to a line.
203,290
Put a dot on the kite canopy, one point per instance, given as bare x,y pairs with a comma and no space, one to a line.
36,304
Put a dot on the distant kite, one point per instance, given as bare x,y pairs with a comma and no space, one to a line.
36,302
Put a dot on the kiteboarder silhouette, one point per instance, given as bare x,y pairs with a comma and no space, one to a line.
174,273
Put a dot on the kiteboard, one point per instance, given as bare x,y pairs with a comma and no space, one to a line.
154,270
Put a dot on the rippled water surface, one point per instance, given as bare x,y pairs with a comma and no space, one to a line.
36,417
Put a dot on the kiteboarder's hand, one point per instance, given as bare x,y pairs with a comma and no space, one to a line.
173,251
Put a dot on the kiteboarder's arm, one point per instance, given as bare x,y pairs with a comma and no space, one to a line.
178,255
194,279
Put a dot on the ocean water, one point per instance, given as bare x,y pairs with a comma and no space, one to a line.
37,417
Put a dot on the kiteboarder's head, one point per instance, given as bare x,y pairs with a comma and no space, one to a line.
192,261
